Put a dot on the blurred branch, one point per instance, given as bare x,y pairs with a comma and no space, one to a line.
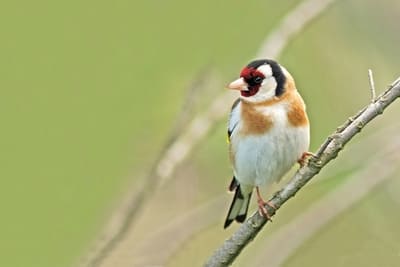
123,218
189,103
291,25
329,150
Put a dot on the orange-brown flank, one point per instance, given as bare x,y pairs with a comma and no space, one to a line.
296,114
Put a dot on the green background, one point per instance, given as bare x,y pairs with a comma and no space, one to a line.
91,89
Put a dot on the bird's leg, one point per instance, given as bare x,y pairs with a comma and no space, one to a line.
304,157
261,205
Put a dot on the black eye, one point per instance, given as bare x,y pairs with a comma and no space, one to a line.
257,80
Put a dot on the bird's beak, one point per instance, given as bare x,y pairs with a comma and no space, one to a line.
238,84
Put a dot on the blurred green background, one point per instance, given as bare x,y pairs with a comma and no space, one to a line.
91,89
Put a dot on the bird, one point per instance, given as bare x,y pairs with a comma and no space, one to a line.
268,132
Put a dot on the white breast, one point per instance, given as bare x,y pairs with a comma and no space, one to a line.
263,159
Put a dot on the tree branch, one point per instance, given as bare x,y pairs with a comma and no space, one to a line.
329,150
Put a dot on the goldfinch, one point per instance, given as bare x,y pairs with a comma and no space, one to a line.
268,132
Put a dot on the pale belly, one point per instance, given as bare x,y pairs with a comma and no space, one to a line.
262,159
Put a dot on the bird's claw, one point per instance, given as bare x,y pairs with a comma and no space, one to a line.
263,211
261,206
304,158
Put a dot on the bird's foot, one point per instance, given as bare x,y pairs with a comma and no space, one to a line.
263,211
304,158
261,206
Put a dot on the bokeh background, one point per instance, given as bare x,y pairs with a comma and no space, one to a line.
92,89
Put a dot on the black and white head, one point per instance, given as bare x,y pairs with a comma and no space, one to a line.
261,80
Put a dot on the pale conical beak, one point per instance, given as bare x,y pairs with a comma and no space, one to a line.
238,84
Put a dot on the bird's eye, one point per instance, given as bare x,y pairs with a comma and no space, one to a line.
257,79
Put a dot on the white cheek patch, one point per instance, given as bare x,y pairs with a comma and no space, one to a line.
266,70
269,84
268,88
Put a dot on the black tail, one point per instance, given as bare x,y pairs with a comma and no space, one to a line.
239,207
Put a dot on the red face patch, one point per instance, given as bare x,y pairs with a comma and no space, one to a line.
253,78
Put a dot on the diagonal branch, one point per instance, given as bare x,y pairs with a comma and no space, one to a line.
232,247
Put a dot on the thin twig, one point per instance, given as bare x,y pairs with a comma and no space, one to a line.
232,247
372,85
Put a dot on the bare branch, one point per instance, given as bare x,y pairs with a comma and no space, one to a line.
329,150
372,85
